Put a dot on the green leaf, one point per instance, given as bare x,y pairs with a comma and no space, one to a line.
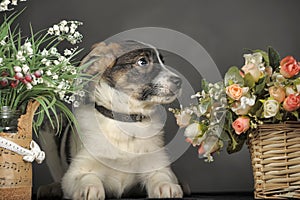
233,75
249,80
296,114
261,84
255,108
237,142
274,58
204,85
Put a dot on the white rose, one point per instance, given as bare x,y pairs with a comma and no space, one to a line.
271,107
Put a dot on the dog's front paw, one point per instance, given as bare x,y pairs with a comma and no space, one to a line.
89,192
166,190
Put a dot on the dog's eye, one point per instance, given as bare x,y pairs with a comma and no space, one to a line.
142,62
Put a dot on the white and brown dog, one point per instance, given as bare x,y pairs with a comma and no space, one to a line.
120,143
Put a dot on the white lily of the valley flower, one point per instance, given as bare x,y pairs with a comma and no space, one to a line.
25,69
14,2
4,5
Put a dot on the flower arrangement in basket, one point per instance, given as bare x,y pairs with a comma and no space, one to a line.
265,90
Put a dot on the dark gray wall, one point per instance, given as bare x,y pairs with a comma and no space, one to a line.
223,28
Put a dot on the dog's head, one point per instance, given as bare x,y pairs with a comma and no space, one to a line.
135,69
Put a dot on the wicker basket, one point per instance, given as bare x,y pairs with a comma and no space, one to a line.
275,154
15,174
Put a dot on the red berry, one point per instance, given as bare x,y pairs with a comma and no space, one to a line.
18,76
14,84
28,78
38,73
4,82
4,74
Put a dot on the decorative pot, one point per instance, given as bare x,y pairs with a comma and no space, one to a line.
15,173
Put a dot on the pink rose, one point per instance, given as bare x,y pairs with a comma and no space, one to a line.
291,102
241,125
289,67
277,93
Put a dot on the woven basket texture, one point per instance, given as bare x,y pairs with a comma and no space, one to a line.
15,174
275,155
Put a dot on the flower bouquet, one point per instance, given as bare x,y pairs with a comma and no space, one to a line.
263,91
33,69
36,82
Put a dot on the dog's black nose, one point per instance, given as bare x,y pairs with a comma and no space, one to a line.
176,80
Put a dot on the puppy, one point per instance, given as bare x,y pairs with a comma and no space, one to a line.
120,142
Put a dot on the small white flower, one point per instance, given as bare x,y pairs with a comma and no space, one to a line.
28,86
62,59
48,73
76,104
63,22
17,69
81,93
56,27
61,94
1,61
55,77
40,80
4,5
72,98
51,31
67,52
56,62
66,29
25,69
20,56
45,52
53,51
14,2
73,71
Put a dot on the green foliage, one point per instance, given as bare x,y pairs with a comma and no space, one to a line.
233,76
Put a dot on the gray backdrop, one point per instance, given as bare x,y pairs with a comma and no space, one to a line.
223,28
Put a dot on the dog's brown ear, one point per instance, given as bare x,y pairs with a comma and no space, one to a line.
101,56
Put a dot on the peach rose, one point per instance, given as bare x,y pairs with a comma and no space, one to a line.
289,67
253,70
277,93
241,125
292,102
234,91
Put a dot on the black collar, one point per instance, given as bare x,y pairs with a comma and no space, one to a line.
119,116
